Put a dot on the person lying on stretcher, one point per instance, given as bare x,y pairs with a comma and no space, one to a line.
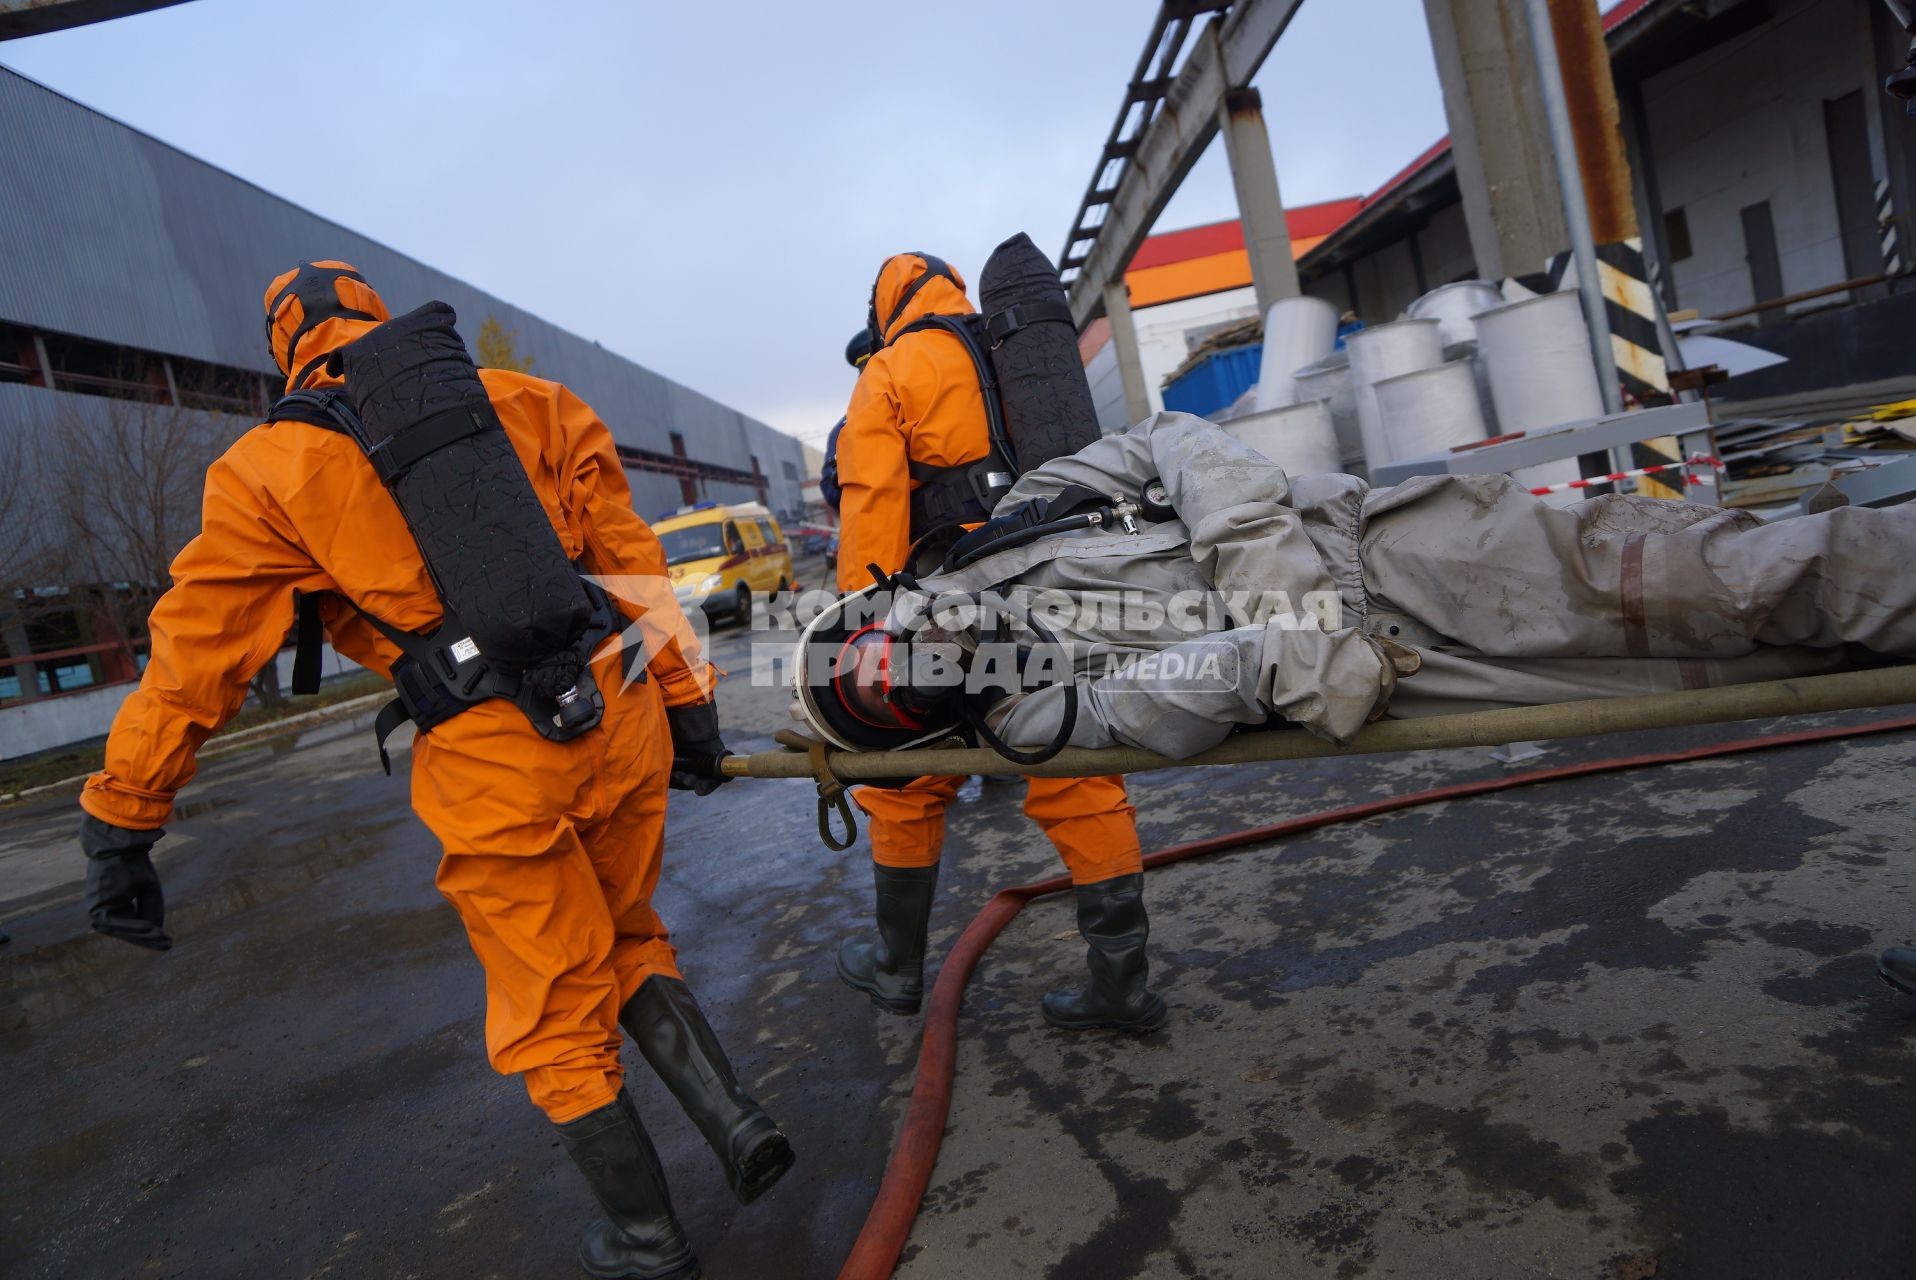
1166,585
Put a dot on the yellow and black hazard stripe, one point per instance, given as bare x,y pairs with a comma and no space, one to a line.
1886,224
1631,306
1630,303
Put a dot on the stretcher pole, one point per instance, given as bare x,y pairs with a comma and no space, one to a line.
1804,695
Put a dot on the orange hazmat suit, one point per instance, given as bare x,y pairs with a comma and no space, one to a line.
918,402
551,849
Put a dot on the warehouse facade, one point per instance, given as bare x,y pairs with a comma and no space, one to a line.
131,275
1774,183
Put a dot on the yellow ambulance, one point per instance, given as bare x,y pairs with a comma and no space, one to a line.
722,555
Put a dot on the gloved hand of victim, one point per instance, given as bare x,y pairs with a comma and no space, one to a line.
696,748
122,890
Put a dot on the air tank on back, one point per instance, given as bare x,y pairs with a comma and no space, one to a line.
1047,401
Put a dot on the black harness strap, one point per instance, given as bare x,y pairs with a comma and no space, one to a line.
315,408
440,673
1027,522
385,724
309,634
965,493
392,456
1003,324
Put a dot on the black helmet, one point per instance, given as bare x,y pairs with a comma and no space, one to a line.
859,349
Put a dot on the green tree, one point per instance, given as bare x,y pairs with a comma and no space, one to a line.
499,348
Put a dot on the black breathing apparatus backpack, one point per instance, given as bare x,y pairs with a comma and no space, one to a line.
519,623
1038,406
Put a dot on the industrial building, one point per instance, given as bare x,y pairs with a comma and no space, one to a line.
131,294
1773,183
1186,286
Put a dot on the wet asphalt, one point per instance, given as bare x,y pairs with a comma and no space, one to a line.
1625,1027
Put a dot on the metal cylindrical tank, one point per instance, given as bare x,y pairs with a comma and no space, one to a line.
1330,379
1386,351
1430,410
1297,331
1536,354
1297,437
1455,308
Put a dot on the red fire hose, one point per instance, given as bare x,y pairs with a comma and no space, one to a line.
908,1173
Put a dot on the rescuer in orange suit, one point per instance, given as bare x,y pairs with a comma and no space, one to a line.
551,849
918,406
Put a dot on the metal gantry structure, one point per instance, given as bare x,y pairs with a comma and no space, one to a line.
1142,95
1192,79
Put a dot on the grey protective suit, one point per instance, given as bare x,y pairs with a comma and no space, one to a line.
1269,595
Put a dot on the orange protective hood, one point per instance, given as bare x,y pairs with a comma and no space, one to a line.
938,296
311,312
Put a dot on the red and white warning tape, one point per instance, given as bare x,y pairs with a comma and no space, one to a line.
1689,477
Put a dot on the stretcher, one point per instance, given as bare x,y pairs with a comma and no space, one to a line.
833,770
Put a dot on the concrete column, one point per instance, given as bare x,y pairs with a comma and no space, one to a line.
1267,237
1498,138
1124,340
15,631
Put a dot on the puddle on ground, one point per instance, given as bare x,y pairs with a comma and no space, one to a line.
57,980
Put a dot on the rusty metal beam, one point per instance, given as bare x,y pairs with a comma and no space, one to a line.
37,17
1225,56
1591,94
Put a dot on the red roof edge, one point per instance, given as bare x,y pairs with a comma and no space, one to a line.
1212,238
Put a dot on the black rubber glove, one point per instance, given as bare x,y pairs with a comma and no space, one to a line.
696,748
122,889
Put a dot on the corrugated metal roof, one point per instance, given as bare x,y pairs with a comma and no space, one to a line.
110,234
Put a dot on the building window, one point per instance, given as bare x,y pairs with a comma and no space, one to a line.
790,469
1676,234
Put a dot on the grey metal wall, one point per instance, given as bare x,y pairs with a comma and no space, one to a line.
110,234
46,433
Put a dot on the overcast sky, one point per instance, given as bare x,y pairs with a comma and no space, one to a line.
708,188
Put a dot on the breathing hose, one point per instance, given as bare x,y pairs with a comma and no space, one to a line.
875,1253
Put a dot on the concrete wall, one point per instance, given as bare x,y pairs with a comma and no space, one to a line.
1330,287
1445,243
1743,123
1107,389
1387,279
1386,283
47,723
